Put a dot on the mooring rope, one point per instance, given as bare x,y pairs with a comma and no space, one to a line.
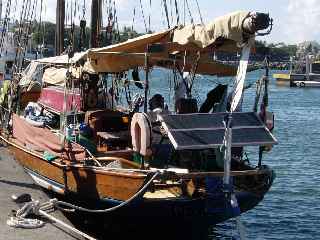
20,219
59,204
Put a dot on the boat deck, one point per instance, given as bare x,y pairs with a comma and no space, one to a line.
14,180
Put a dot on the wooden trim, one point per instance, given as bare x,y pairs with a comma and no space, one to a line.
220,174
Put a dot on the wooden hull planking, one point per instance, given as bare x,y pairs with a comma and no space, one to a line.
78,179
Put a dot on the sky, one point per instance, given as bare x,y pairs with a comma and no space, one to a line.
294,20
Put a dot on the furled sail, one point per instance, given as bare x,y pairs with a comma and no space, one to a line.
226,27
165,49
119,61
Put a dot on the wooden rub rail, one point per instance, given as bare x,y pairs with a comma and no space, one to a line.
220,174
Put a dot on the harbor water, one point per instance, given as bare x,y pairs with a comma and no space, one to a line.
291,210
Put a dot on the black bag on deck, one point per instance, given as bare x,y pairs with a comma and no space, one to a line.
187,105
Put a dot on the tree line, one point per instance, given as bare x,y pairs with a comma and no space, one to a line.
44,34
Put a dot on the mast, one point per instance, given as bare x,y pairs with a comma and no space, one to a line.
96,13
59,38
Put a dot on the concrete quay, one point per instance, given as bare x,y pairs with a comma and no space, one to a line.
14,180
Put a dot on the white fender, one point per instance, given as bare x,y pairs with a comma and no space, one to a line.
141,134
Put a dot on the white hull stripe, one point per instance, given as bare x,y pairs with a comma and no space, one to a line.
45,182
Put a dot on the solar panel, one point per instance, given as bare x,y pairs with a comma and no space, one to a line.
204,131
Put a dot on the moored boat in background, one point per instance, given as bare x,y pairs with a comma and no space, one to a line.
300,76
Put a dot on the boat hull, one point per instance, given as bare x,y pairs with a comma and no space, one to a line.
92,189
210,210
77,179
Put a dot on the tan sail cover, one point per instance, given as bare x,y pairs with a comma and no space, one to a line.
62,59
192,38
226,27
135,45
119,62
55,76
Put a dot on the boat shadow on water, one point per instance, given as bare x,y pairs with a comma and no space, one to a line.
115,225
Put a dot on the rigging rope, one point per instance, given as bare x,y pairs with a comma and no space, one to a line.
118,37
166,11
33,207
184,12
84,10
27,18
40,23
171,12
177,12
144,19
133,18
150,4
5,25
200,15
189,11
83,24
61,204
111,22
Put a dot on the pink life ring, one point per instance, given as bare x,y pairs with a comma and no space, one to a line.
141,134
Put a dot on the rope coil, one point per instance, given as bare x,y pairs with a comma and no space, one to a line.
20,219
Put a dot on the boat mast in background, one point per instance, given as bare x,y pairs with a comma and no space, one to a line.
60,14
96,13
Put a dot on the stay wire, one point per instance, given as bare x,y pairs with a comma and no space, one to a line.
143,16
84,10
66,17
150,4
177,12
5,25
40,21
171,11
189,11
200,15
166,12
184,12
133,18
25,11
30,21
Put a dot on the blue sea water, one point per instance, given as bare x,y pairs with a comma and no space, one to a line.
291,209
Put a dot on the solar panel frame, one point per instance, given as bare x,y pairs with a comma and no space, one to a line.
173,122
178,130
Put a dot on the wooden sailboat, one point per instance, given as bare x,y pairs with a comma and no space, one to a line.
126,166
